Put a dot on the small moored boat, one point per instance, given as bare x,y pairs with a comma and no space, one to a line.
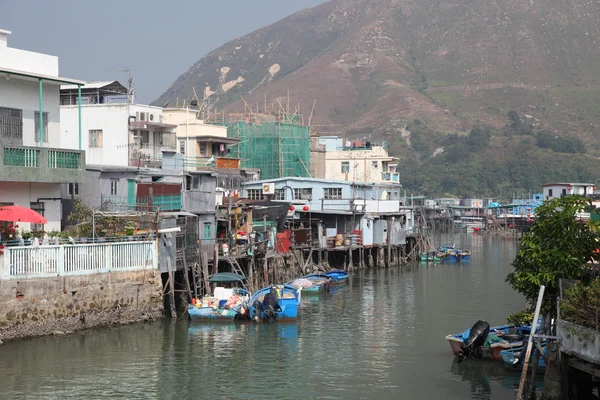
337,276
487,343
274,303
311,284
225,304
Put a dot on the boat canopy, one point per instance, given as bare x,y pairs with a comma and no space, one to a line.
226,277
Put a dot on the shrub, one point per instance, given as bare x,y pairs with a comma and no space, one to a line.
581,304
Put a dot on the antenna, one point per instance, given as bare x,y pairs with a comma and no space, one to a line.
130,89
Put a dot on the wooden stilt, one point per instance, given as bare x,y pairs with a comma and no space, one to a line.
205,273
171,284
187,279
350,262
266,270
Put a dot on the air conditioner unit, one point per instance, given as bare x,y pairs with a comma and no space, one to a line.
268,188
142,116
151,117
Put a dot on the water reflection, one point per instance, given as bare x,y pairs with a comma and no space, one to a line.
483,375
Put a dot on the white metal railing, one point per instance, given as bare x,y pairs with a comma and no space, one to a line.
80,259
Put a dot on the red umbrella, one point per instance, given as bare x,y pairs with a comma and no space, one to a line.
21,214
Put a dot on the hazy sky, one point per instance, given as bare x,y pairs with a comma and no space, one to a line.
157,39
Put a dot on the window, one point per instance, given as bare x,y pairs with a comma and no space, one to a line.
279,194
36,118
333,194
182,147
375,164
207,230
195,182
73,189
303,194
550,192
255,194
564,192
145,137
37,207
345,167
95,137
114,187
203,149
11,122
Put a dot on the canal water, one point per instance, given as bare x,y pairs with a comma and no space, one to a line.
381,336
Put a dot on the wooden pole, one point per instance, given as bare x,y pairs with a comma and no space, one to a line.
251,274
530,343
171,289
187,278
207,288
266,270
389,242
216,260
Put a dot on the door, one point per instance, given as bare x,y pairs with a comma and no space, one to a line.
130,193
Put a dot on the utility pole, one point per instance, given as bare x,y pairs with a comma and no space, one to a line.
130,89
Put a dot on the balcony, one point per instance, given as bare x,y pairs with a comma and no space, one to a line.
392,177
218,164
41,164
142,203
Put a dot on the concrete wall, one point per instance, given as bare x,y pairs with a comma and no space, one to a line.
24,193
364,165
24,95
557,190
35,307
27,61
111,119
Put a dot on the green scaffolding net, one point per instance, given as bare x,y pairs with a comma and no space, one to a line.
277,149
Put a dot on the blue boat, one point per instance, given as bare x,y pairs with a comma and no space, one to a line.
320,283
310,286
512,334
338,276
288,298
450,257
509,356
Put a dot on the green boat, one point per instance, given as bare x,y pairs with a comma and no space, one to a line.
431,256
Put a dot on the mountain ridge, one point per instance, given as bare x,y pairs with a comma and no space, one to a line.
374,67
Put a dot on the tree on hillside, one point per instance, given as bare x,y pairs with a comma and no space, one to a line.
558,245
516,125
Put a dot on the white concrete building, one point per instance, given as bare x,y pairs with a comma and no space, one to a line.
557,190
34,157
197,141
114,131
358,161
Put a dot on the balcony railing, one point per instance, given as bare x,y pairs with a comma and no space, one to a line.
162,203
63,159
38,164
21,157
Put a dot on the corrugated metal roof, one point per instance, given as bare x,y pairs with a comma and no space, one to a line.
93,85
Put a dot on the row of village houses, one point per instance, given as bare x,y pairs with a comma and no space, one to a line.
94,143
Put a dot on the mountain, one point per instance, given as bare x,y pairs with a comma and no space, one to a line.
377,67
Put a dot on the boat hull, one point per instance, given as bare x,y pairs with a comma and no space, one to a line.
338,277
509,355
210,314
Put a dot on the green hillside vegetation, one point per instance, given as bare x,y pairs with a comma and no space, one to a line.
486,161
